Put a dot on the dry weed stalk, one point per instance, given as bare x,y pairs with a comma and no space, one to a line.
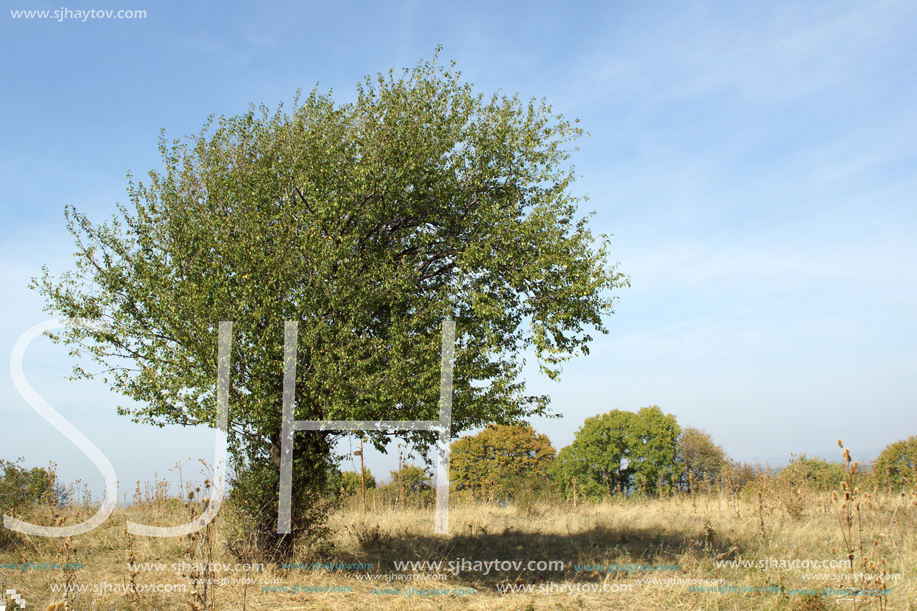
876,585
848,502
198,600
200,544
763,485
69,553
691,489
132,566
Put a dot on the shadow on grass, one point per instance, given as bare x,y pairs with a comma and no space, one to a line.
593,555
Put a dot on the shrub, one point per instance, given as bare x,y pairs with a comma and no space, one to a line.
735,475
411,479
896,466
21,488
812,473
254,494
410,485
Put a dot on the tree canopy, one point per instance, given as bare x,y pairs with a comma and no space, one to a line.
703,459
621,450
369,222
352,483
500,461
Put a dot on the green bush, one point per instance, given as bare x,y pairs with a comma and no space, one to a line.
813,473
21,488
411,479
896,466
255,496
704,460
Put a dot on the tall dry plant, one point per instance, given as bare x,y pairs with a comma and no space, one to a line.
874,592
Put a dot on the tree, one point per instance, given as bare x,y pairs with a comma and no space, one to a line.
619,451
735,475
351,482
501,461
896,466
369,223
410,479
703,459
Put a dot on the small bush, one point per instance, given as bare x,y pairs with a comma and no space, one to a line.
815,474
22,488
501,462
410,486
254,497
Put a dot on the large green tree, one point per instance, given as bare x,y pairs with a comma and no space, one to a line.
501,461
369,223
621,450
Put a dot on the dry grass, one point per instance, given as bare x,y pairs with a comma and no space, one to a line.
693,531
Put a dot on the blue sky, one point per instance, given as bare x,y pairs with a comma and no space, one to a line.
754,161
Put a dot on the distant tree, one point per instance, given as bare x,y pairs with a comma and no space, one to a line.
703,459
619,451
896,466
350,481
411,478
501,461
735,475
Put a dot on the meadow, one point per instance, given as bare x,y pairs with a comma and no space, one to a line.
772,544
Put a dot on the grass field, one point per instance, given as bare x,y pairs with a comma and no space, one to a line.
752,549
